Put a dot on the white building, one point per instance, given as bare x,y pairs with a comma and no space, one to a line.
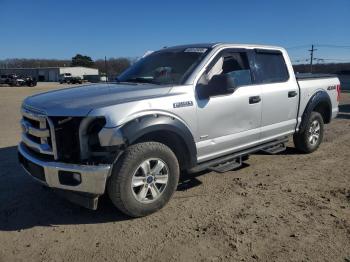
51,74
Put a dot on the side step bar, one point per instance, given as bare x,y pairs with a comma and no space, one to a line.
226,161
275,149
224,167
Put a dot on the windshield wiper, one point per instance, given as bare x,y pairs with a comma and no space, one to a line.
141,80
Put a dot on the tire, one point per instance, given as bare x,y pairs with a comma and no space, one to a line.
310,139
122,186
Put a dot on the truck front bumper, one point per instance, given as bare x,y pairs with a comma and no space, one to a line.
89,179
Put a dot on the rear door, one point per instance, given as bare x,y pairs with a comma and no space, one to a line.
279,92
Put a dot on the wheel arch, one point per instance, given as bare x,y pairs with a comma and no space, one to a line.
167,130
320,102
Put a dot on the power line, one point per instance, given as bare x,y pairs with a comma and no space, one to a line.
333,46
318,45
318,60
297,47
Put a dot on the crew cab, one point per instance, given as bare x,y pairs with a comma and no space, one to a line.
177,110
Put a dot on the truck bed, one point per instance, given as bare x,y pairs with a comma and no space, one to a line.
310,76
309,84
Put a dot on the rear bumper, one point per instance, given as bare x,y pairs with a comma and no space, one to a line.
92,178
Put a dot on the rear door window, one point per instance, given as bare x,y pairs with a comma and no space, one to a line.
270,67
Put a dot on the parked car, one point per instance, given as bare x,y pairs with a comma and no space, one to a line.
30,81
8,80
67,78
184,108
14,80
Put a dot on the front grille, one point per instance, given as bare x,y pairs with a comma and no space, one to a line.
38,132
67,138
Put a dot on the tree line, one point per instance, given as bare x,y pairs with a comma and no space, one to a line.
331,68
114,66
111,67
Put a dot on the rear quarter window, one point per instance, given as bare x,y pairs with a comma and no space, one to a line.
270,67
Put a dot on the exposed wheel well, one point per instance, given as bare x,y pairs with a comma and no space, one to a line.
325,111
173,141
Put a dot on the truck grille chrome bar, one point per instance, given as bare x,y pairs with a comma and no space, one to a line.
38,132
41,148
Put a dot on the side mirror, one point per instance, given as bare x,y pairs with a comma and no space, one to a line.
221,85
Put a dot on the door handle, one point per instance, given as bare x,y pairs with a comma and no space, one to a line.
292,93
254,99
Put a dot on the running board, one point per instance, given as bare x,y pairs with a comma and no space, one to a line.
275,149
224,167
233,157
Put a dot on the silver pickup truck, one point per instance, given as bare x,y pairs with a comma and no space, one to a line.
177,110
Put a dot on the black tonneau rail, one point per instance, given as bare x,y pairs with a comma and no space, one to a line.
309,76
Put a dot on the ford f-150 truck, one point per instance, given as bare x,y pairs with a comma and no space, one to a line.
177,110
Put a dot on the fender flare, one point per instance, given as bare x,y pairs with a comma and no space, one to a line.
135,129
318,98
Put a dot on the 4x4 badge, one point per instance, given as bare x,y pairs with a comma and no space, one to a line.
332,87
183,104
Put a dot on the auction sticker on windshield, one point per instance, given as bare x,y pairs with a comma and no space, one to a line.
195,50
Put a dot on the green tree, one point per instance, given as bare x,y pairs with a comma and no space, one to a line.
82,60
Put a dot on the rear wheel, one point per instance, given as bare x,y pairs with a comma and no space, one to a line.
310,139
144,179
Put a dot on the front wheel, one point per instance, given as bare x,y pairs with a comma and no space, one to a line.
310,139
144,179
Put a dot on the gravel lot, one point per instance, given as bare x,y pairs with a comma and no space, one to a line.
286,207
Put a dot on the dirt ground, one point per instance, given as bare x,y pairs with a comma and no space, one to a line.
286,207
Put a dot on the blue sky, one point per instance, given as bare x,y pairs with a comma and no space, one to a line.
60,29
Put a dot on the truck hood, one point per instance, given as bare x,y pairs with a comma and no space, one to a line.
79,101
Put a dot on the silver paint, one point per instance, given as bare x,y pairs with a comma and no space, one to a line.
219,125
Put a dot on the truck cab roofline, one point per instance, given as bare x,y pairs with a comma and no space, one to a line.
223,44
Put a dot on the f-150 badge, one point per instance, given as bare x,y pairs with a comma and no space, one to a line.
183,104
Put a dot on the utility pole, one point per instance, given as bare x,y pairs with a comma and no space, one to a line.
106,68
312,50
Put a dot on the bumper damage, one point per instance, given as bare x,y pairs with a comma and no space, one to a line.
82,183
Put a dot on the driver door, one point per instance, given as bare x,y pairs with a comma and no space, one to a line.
228,122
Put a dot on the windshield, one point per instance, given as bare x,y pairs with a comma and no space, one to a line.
164,67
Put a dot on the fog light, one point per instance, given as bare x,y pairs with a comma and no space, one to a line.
68,178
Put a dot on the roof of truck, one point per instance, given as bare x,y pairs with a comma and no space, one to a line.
212,45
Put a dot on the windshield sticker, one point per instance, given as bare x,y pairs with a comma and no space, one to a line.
195,50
